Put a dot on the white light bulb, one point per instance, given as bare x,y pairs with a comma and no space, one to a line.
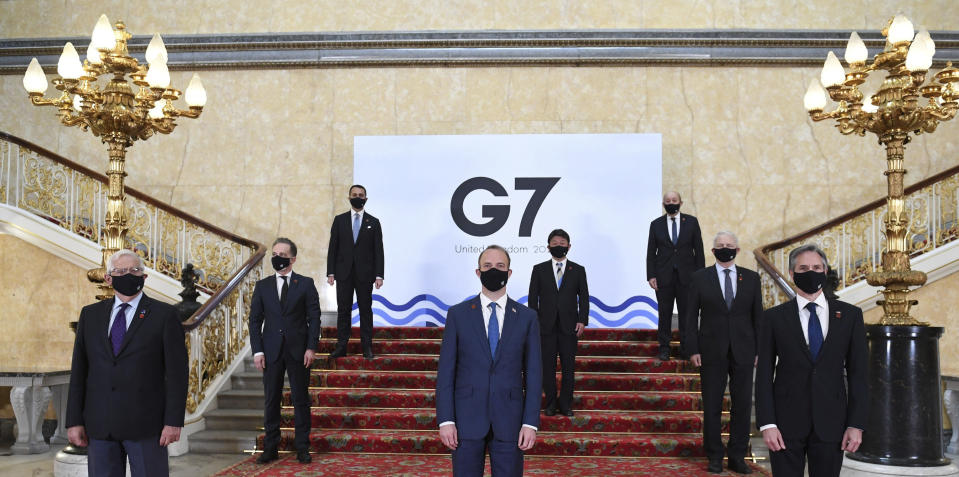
901,30
832,72
156,50
34,81
158,76
157,111
103,36
77,102
926,39
69,66
815,98
856,51
868,107
918,57
195,93
93,56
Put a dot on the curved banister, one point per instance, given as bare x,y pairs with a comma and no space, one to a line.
215,300
762,254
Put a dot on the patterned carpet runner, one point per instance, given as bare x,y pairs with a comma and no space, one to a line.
628,405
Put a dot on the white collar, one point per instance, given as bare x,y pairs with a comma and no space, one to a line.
820,300
500,303
279,276
134,303
720,268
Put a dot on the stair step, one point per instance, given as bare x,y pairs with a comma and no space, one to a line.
433,332
594,364
240,399
222,441
427,380
432,346
235,419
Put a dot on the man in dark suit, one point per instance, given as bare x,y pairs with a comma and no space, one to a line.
355,263
559,294
488,386
813,402
284,333
674,252
722,325
129,376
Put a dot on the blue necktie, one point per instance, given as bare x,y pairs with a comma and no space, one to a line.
559,274
356,226
119,328
815,331
493,329
674,237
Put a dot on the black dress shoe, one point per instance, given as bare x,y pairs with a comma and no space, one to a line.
568,413
664,355
338,352
268,455
550,412
715,467
739,466
303,457
368,352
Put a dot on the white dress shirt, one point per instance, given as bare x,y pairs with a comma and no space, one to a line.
500,319
131,310
279,291
822,312
563,264
669,225
722,278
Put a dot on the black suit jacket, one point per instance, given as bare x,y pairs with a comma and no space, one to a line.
559,309
721,329
799,395
133,395
365,256
662,256
295,326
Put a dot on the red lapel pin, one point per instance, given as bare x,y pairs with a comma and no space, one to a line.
838,315
473,306
143,313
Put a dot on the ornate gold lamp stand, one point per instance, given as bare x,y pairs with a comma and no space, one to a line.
117,110
905,424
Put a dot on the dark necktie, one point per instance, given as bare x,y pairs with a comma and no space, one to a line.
119,328
559,274
284,290
493,329
815,331
728,289
674,236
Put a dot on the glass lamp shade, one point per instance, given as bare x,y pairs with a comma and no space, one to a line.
69,66
34,81
77,102
868,107
195,93
918,58
856,51
157,111
926,39
93,56
901,30
103,36
158,76
815,98
832,72
156,50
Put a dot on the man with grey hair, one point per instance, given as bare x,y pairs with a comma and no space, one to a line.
674,251
722,325
811,394
128,382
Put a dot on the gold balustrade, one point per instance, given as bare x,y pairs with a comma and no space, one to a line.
73,197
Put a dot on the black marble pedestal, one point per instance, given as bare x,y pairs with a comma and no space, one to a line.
905,408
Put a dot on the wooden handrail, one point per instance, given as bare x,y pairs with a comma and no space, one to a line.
765,264
259,250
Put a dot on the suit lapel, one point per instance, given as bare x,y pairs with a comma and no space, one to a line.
834,324
291,290
102,327
509,327
476,324
739,286
139,316
796,326
714,278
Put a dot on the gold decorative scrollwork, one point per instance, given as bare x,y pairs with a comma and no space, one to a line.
44,187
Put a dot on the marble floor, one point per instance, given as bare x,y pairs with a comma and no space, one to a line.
189,465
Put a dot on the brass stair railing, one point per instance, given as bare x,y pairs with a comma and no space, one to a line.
854,241
74,197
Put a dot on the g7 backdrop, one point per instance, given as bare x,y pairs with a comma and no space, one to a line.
442,199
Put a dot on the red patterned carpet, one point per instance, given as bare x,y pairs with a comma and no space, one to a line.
635,415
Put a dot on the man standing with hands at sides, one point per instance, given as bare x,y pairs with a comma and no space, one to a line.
129,377
284,333
814,401
727,300
488,386
355,263
674,252
559,294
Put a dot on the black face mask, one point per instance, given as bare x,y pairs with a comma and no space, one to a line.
128,284
724,254
279,263
671,209
810,281
357,202
558,251
493,279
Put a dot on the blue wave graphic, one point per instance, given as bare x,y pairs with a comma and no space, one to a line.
432,317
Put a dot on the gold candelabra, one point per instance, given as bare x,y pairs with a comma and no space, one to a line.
112,111
892,113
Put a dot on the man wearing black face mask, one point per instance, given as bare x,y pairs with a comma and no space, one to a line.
129,376
284,333
559,294
722,325
354,262
673,253
811,394
488,385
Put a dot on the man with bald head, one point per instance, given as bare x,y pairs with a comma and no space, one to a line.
674,252
723,313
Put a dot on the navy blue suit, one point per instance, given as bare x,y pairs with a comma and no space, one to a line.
283,333
489,397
